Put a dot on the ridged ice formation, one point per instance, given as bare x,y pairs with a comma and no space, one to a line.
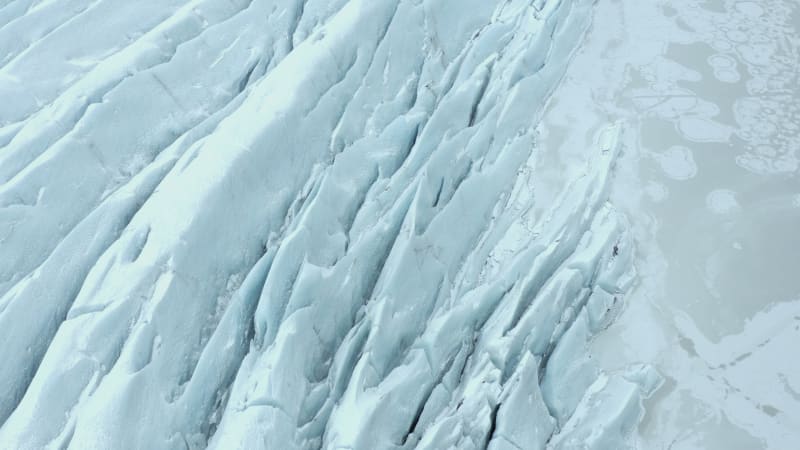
289,225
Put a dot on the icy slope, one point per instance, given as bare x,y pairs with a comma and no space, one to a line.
286,224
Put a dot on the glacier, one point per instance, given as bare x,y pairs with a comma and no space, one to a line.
332,224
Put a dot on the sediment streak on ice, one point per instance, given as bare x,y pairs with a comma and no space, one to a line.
286,224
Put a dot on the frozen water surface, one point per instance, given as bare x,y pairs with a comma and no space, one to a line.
709,93
397,224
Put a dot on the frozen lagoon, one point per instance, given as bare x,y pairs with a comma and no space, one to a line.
710,97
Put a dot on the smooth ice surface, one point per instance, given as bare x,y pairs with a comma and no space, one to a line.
709,93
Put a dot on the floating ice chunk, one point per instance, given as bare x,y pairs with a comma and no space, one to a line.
722,201
678,163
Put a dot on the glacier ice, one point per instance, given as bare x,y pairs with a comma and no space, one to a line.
293,224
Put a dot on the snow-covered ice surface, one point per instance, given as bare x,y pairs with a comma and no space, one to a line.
396,224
